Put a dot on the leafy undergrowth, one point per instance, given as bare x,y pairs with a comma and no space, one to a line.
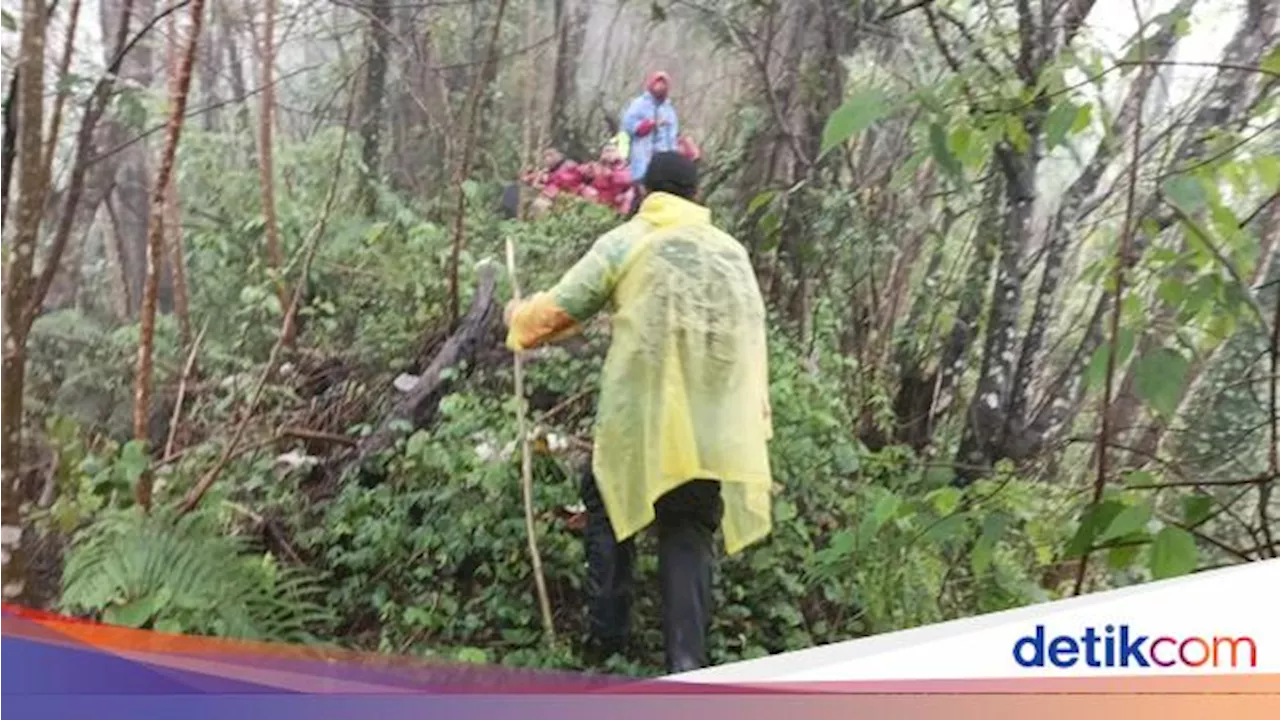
430,558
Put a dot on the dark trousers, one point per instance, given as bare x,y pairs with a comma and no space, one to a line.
686,519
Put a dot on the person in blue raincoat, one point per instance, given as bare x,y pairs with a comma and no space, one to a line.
651,124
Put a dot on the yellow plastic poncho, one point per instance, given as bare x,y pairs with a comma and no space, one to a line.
684,389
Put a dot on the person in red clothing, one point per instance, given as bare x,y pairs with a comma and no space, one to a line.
557,175
610,179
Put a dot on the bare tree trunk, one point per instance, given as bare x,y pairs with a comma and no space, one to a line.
1063,226
374,92
116,256
210,70
17,292
235,64
570,19
133,163
990,427
99,100
8,150
266,162
10,143
155,245
60,100
464,167
973,294
173,211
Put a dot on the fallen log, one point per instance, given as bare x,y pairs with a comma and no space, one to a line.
418,406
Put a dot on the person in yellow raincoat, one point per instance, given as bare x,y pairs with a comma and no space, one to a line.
683,419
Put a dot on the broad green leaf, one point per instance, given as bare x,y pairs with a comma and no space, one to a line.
1225,222
992,528
770,224
853,116
473,655
760,200
1159,378
169,625
1084,116
1196,507
1122,556
1130,520
1271,63
946,528
1173,553
939,475
1236,175
1092,522
945,499
1222,326
133,460
1268,169
842,542
1096,374
1186,192
885,508
1016,133
846,459
1138,477
960,139
1172,292
1058,123
783,511
941,153
132,614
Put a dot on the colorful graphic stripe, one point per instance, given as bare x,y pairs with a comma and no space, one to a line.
65,668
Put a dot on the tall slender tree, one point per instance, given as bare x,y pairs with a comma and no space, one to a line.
18,288
179,88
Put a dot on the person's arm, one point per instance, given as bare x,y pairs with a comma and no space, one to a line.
561,311
636,121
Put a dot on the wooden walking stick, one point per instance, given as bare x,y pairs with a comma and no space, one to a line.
526,468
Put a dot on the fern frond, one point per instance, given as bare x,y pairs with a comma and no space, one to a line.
183,572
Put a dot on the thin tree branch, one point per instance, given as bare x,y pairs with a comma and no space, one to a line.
1121,260
1217,65
182,390
1235,482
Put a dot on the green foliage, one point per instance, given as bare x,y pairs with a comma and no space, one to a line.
938,145
1160,377
82,369
1065,118
430,558
854,115
1186,191
185,575
1173,554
